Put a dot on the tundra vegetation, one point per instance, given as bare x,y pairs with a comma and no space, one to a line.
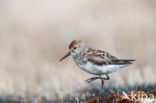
34,34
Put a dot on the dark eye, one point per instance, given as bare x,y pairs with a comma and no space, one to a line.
74,47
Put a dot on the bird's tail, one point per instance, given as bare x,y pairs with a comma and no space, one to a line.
122,61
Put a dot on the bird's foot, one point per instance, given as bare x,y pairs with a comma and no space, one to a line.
92,79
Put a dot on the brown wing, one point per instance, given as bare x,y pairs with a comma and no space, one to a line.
103,58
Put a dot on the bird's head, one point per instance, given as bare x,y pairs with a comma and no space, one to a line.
75,47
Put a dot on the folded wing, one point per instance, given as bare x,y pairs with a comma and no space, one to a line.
99,57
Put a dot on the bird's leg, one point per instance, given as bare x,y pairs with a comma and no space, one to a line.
92,79
99,77
107,77
102,82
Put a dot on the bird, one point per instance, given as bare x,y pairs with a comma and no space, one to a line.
94,61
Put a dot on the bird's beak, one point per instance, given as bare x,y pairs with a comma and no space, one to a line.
68,54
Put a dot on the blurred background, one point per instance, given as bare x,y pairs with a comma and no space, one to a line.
35,34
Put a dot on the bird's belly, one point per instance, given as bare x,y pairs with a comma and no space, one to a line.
99,70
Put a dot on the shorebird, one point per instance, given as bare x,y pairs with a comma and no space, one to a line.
95,61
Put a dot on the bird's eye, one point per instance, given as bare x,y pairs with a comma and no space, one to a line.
74,47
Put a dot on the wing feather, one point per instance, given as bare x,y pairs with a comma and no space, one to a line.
103,58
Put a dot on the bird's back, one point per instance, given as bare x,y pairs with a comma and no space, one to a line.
99,62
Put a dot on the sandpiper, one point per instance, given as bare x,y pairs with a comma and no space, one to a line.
95,61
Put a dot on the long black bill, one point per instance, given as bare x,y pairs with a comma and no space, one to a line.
68,54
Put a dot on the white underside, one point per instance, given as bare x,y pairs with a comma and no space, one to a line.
99,70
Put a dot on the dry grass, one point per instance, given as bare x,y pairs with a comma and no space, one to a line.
35,34
117,98
142,94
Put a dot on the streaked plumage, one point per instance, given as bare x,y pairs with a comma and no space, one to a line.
95,61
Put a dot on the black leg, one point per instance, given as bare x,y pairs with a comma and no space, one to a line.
92,79
102,82
99,77
107,77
